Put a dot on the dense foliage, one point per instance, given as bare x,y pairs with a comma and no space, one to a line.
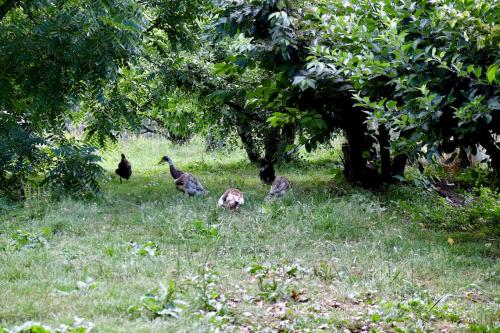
69,63
58,58
397,78
427,71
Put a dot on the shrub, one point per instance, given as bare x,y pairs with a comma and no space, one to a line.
79,326
23,239
433,211
74,169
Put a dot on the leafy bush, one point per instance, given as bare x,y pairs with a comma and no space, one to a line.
427,70
423,74
79,326
199,229
51,70
162,302
481,213
20,156
487,206
477,177
209,300
23,239
74,169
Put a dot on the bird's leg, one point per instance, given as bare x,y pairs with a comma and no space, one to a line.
120,180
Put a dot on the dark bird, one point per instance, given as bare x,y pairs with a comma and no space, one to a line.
184,182
266,171
231,199
280,186
124,169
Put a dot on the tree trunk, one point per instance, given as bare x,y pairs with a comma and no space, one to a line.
276,141
359,144
245,134
289,131
399,165
385,153
272,143
492,149
464,158
244,130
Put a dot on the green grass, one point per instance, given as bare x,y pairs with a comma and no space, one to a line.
328,257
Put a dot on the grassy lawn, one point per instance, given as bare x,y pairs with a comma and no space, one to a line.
142,257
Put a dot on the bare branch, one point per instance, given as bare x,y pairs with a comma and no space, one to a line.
149,130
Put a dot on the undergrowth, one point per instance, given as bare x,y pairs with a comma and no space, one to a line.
141,257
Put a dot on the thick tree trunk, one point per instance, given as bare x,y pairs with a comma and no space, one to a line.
359,144
385,153
354,159
271,144
276,141
289,132
464,158
492,149
244,130
245,134
399,165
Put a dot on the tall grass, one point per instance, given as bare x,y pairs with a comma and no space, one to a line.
316,260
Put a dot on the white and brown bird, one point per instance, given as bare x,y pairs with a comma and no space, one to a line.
280,186
124,169
231,199
184,182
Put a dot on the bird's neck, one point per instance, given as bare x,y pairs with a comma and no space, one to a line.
174,172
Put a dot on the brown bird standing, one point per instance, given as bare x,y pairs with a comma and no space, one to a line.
124,169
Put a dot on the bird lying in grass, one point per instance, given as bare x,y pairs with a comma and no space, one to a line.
184,182
266,171
231,199
124,169
279,188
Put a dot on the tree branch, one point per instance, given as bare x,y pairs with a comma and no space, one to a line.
235,106
149,130
6,6
156,24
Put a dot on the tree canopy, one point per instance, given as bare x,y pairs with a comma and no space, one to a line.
397,78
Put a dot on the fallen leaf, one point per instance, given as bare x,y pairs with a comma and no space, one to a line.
278,310
298,296
334,304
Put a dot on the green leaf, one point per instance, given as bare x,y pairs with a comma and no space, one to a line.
491,72
281,4
478,72
391,104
